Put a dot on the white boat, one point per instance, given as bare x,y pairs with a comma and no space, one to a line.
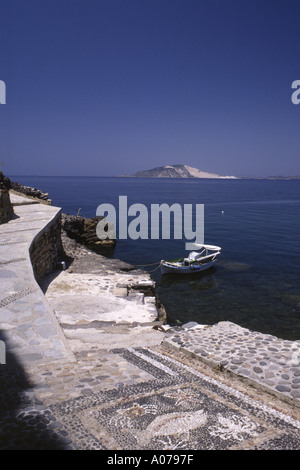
202,259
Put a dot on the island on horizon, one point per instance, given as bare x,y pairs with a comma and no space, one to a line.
177,171
185,171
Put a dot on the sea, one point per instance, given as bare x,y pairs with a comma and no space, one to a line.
256,222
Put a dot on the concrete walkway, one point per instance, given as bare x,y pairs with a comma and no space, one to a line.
87,370
27,322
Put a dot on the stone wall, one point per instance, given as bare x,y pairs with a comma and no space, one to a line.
46,249
6,208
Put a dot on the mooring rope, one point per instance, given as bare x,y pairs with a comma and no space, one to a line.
152,271
145,265
141,265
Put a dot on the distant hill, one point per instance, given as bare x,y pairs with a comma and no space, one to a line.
178,171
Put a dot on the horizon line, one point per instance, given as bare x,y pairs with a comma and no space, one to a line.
154,177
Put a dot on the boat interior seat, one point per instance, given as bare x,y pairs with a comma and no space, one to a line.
195,255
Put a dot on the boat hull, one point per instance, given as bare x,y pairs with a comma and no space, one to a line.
168,268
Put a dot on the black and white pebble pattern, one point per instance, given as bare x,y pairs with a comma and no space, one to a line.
169,405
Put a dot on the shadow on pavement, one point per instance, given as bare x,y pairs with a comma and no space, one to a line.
25,424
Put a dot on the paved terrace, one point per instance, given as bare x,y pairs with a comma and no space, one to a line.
89,367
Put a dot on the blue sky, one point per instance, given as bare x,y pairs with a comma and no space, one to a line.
111,87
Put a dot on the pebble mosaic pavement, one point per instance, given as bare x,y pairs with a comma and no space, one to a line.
152,401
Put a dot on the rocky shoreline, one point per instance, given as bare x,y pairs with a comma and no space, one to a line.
30,192
83,230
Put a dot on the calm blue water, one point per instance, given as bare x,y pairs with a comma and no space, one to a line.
256,282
